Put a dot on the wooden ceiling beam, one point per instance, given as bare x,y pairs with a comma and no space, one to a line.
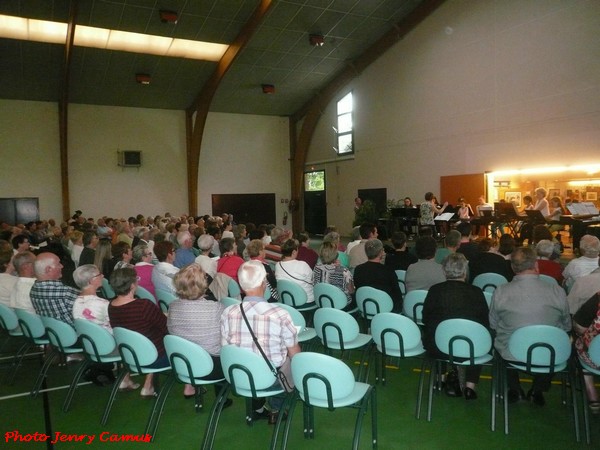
311,111
200,106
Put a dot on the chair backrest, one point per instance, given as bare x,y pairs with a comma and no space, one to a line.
321,378
489,281
335,326
296,315
165,298
548,279
543,348
95,340
291,293
413,305
245,370
61,334
488,298
401,275
329,296
594,351
107,289
371,301
136,349
188,360
31,324
8,319
228,301
395,333
462,338
141,292
233,289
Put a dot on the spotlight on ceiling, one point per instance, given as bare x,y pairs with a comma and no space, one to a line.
167,16
268,88
316,40
142,78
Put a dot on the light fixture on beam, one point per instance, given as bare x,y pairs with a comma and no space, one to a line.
142,78
316,40
168,16
268,88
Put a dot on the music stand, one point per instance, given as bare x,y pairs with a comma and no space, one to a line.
535,216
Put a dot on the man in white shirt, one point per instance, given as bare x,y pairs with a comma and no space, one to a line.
589,246
19,297
164,271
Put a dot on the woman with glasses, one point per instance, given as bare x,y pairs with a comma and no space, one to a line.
142,257
140,315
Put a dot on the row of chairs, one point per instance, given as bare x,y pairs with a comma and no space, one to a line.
162,298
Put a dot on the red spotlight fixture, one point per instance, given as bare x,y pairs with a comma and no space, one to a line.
316,40
168,16
268,88
142,78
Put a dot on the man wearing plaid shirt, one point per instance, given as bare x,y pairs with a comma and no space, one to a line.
50,296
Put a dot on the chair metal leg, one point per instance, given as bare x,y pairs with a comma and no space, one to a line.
433,374
503,368
584,401
158,406
285,407
571,376
17,361
213,420
69,398
286,431
374,418
113,394
43,372
494,386
424,364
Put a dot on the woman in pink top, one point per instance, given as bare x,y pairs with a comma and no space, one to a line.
143,267
229,262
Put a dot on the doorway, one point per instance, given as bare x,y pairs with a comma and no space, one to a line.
315,202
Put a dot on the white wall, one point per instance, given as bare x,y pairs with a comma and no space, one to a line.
240,154
480,85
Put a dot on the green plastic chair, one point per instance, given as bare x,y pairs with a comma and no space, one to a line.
292,294
137,353
141,292
326,382
467,343
305,334
250,377
190,363
371,301
489,281
64,341
412,306
338,330
165,298
35,332
9,322
396,336
585,369
228,301
98,345
233,289
541,349
107,290
330,296
488,298
401,275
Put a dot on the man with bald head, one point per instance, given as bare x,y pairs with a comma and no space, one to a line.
49,295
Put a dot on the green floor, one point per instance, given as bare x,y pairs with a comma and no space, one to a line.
455,424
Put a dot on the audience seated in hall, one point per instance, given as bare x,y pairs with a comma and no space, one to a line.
452,241
589,247
377,275
357,253
289,268
583,289
547,266
305,253
488,260
19,296
327,271
466,247
399,258
425,272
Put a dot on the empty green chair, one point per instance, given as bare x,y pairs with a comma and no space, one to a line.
305,334
412,306
489,281
292,294
371,301
401,275
330,296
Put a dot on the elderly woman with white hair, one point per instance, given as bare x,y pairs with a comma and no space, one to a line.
589,247
454,299
206,259
546,264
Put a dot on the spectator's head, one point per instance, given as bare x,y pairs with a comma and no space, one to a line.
544,248
121,250
289,247
20,242
333,237
252,276
368,231
398,240
452,239
523,259
303,238
23,263
47,266
163,249
455,266
90,239
190,282
506,244
123,280
227,245
373,249
485,245
425,247
206,242
184,239
142,253
255,248
328,252
86,274
589,246
277,235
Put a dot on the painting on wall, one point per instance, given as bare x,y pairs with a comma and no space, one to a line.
591,196
513,197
